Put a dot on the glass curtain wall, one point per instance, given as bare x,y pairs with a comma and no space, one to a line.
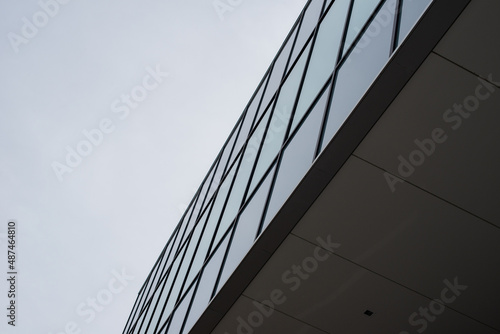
328,61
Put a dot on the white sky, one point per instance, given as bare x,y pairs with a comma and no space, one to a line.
117,208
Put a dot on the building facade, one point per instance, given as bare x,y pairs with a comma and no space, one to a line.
357,192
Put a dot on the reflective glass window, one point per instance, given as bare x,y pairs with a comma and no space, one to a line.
246,229
279,67
234,202
297,158
267,100
309,21
255,109
201,252
279,120
173,253
135,311
243,134
324,56
174,281
206,285
242,178
361,12
410,13
185,266
218,174
161,265
204,195
225,158
159,299
359,70
160,270
187,225
278,71
211,224
179,314
252,148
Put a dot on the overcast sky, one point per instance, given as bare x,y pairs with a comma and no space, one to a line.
112,113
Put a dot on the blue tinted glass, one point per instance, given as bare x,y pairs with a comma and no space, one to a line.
361,12
246,229
297,158
307,25
206,285
324,56
279,120
359,70
411,11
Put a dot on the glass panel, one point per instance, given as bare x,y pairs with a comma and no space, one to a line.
175,248
180,314
358,71
183,270
187,223
159,299
201,252
234,201
246,229
219,202
157,274
211,224
161,270
278,71
228,148
218,175
203,198
141,320
279,121
167,302
206,285
135,312
324,56
290,42
281,61
243,135
412,10
309,22
252,149
297,158
255,110
361,12
328,2
270,92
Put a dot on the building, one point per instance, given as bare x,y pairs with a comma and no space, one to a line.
359,190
